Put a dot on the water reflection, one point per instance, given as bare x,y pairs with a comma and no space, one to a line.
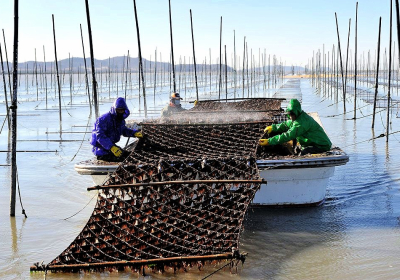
14,239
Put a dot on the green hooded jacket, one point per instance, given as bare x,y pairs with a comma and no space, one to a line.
305,129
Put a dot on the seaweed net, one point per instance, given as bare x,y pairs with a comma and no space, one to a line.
178,200
212,112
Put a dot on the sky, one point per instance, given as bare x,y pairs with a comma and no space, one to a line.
289,29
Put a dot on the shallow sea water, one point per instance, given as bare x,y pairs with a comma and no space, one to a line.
354,234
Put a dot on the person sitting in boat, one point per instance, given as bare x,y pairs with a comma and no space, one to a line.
302,127
174,106
107,132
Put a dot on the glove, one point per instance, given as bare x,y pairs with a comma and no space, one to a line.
196,103
116,151
138,135
263,142
268,129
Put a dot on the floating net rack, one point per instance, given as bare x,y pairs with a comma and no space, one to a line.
179,200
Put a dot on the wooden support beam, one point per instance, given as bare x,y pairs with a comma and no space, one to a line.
193,182
135,262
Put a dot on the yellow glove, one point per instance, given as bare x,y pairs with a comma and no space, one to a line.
263,142
268,129
116,151
196,103
138,135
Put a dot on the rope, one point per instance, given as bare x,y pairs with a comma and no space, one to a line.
373,138
80,210
84,135
3,124
20,199
218,270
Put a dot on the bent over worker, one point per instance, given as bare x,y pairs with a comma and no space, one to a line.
107,132
302,127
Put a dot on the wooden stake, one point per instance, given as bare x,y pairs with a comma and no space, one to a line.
86,73
220,60
347,60
194,57
5,89
390,76
94,83
377,73
355,67
140,60
172,47
341,66
58,77
45,73
13,108
226,76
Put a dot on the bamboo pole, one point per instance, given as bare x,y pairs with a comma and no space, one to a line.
220,60
86,73
155,77
247,71
140,60
94,83
347,60
355,66
377,73
13,107
8,65
135,262
45,73
194,57
398,27
191,182
126,73
109,77
234,64
244,57
37,85
5,89
58,77
390,76
172,47
341,66
226,76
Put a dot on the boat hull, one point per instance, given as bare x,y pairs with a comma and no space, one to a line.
294,186
290,182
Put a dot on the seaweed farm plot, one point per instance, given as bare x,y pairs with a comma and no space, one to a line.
179,200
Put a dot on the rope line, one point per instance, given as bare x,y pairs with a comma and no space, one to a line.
81,209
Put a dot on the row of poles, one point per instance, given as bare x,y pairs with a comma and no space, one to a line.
114,77
330,73
13,108
14,101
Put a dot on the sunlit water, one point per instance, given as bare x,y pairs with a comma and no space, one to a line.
355,234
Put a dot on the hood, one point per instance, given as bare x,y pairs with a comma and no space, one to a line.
294,106
120,103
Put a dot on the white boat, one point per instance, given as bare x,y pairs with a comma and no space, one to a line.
291,180
300,182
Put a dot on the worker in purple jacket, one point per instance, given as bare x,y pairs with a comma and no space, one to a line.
107,132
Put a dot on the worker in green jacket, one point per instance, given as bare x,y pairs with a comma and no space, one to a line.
302,127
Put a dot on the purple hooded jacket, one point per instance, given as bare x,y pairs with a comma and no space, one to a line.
108,129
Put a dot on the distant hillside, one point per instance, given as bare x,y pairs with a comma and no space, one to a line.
119,63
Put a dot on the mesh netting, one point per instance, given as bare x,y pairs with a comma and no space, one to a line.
211,112
179,198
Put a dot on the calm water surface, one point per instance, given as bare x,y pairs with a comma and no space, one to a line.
355,234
